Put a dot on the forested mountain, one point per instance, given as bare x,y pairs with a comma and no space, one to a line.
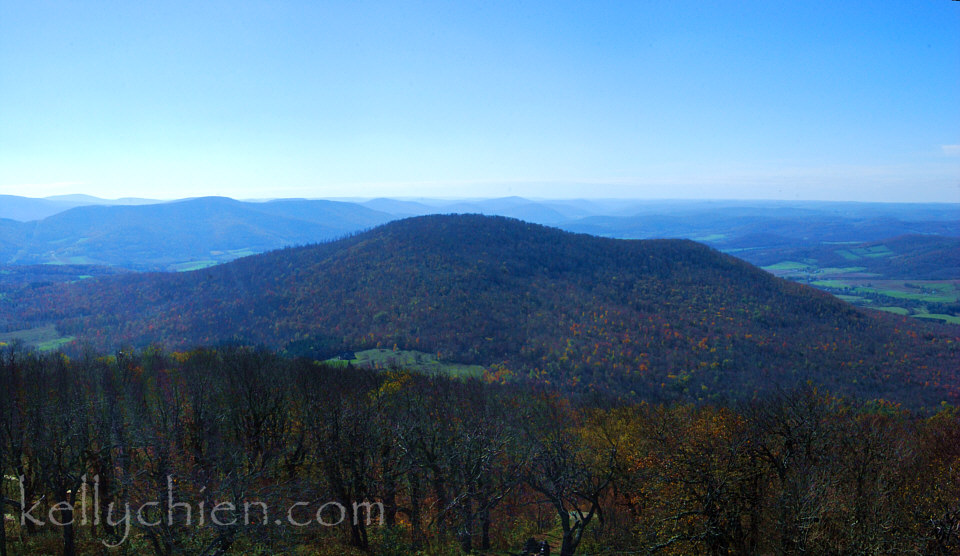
661,318
193,233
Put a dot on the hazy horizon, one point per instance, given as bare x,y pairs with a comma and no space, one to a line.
458,199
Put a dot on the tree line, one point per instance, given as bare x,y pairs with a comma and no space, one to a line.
448,466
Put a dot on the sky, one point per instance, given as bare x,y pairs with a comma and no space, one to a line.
812,100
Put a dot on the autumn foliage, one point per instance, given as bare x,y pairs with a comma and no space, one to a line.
460,465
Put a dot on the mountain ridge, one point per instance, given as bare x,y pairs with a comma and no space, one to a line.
658,318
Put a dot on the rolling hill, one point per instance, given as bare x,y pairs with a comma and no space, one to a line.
193,233
178,235
26,209
656,318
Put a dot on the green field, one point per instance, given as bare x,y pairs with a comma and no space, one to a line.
848,255
838,284
906,295
413,360
710,237
234,253
877,251
935,316
44,338
192,265
842,270
787,265
917,298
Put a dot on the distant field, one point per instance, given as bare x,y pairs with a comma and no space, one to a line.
925,299
842,270
413,360
234,253
192,265
933,291
830,284
787,265
908,295
952,319
710,237
44,338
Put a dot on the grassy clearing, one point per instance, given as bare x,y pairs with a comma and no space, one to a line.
946,318
234,253
874,252
830,284
787,265
842,270
901,297
895,310
43,338
711,237
939,286
413,360
897,294
192,265
54,344
848,255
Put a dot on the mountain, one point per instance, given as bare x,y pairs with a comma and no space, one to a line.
656,318
539,212
399,208
26,209
190,233
80,199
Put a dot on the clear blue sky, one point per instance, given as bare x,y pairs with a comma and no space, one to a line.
794,100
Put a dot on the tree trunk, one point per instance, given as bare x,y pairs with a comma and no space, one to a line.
3,529
485,530
66,517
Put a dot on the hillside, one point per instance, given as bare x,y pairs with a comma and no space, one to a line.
193,233
25,209
658,318
178,235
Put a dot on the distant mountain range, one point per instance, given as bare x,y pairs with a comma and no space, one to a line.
25,209
178,235
148,235
667,319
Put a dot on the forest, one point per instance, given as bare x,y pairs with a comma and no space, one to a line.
623,397
448,466
661,320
